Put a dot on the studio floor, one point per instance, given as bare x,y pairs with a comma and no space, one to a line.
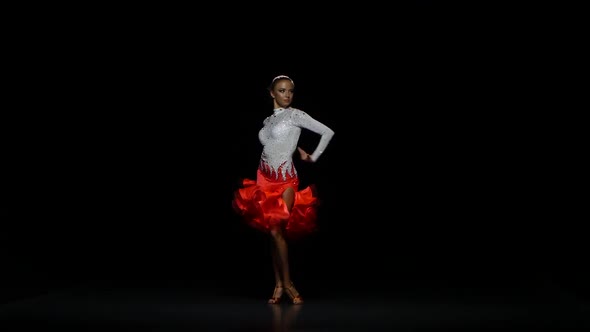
215,306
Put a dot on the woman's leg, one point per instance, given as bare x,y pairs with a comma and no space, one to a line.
276,264
281,252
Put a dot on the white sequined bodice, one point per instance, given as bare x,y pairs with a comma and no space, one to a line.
279,137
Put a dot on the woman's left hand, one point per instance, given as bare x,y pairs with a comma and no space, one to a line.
304,155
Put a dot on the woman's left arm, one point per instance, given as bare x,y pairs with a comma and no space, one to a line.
304,120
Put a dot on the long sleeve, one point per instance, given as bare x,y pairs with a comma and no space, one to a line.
304,120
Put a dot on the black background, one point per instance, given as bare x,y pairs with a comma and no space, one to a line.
133,128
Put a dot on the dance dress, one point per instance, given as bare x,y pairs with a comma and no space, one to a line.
259,201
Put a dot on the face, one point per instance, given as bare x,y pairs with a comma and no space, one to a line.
282,93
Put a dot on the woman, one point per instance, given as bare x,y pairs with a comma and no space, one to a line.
273,203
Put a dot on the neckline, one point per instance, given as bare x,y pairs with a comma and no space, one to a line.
279,110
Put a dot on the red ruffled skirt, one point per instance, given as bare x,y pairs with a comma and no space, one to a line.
261,205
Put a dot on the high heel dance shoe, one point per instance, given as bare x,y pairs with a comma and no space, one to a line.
294,294
276,295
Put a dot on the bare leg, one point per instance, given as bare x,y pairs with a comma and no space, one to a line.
276,264
281,252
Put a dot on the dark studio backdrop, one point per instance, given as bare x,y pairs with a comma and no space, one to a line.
442,172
